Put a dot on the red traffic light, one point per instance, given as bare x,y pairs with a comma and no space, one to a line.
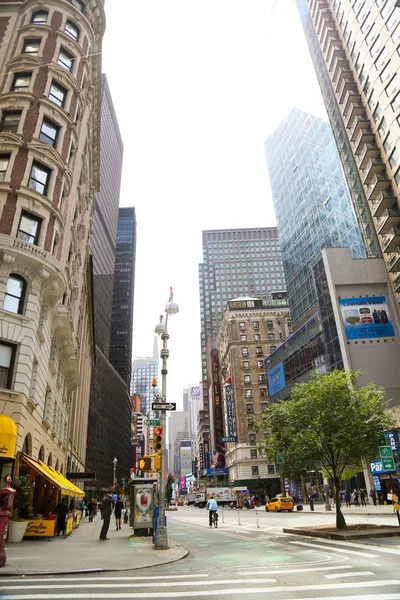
157,430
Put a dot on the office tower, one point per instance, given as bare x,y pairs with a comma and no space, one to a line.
312,204
355,50
178,431
49,171
109,422
144,371
193,408
123,295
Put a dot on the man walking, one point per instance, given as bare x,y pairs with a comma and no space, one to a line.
106,507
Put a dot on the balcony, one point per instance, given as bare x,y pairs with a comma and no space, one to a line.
378,183
323,19
384,200
356,110
330,39
394,261
391,240
359,124
344,83
390,218
374,166
351,97
369,152
364,136
340,65
396,283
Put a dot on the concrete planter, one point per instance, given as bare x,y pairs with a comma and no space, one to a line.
16,531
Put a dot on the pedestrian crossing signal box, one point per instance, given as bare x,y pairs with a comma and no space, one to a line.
158,438
150,464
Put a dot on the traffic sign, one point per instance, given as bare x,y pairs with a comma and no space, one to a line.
388,463
163,406
152,422
385,452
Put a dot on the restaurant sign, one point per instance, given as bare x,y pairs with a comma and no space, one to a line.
40,528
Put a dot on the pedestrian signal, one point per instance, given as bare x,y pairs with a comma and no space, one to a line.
145,463
158,439
157,463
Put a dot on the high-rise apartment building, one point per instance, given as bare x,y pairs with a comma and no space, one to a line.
123,295
144,371
109,422
355,50
312,203
49,170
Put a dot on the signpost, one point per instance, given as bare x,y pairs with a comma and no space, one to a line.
152,422
163,406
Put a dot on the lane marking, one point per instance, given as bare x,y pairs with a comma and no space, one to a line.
330,549
299,570
105,578
228,592
361,546
354,574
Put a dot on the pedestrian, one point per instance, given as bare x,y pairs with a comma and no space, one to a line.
373,495
119,505
355,498
362,498
82,506
347,498
106,507
62,511
91,509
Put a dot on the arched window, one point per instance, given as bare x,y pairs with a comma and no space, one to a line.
27,446
41,454
56,466
50,460
15,294
40,17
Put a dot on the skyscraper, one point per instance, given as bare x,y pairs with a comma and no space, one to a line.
144,371
355,50
312,204
109,421
123,294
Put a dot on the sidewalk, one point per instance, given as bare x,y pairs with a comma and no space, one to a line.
370,509
82,551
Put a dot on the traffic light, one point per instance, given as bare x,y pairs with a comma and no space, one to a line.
145,463
158,439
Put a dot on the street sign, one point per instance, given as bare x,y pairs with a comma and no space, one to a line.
163,406
152,422
229,438
388,463
385,452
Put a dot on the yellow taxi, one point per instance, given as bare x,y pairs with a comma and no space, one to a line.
280,503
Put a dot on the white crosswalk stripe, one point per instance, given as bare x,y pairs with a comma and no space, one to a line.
329,548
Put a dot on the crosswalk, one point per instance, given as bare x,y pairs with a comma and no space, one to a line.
339,581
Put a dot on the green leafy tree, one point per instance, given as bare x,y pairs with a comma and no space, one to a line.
23,493
327,425
168,488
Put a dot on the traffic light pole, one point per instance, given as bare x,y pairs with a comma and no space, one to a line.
161,537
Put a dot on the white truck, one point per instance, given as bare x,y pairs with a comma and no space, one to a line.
223,496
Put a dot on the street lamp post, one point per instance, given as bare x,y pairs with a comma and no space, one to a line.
115,460
161,537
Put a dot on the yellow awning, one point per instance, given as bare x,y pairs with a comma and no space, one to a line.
73,490
40,468
8,437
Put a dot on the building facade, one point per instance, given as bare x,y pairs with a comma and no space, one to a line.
144,371
178,430
123,294
249,331
355,50
50,164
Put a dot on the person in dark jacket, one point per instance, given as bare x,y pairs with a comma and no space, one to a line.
106,508
119,505
62,511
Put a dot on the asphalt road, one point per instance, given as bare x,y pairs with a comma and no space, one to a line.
247,557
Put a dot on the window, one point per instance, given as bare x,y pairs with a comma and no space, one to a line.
15,294
396,34
261,378
246,364
272,348
381,59
271,469
270,324
57,94
396,102
263,393
248,393
289,323
10,121
254,470
250,409
386,73
48,132
392,86
39,178
264,406
72,30
247,379
260,364
242,325
40,17
243,338
79,4
253,453
392,19
31,47
65,59
271,336
256,325
4,160
259,350
257,337
7,352
29,228
21,82
245,351
394,159
252,439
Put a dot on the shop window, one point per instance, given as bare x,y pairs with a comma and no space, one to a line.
15,294
10,121
49,132
253,453
21,82
31,47
72,30
39,178
29,228
254,470
57,94
4,160
66,60
40,17
7,354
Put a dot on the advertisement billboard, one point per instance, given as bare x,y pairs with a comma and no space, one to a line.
366,317
229,409
276,379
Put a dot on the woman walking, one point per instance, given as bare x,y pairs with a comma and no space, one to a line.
119,505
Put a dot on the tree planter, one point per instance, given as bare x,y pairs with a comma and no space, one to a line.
16,531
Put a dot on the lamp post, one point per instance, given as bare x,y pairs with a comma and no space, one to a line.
161,537
115,460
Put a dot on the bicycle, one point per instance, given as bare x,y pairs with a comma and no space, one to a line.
214,519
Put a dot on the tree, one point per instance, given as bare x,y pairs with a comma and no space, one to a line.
23,493
168,488
329,425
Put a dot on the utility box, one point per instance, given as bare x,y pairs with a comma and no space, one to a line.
144,498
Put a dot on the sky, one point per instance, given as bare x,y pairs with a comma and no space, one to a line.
198,85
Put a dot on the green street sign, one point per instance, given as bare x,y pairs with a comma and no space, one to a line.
279,459
152,422
388,463
385,452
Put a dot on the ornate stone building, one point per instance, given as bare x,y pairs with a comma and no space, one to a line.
49,171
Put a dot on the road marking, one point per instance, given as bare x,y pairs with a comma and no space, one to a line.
361,546
110,578
330,549
227,592
353,574
299,570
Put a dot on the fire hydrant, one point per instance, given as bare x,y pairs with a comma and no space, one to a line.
6,502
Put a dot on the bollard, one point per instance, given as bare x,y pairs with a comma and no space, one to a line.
257,519
238,514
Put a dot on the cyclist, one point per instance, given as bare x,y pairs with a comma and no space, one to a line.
212,507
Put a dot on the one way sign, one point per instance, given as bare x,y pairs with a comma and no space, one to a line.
163,406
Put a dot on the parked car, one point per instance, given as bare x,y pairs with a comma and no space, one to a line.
280,503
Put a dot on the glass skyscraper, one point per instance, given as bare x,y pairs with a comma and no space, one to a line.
312,203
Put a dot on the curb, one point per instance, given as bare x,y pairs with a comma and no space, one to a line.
355,535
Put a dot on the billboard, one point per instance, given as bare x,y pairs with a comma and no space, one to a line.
229,408
276,379
366,317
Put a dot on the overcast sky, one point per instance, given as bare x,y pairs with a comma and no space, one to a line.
198,85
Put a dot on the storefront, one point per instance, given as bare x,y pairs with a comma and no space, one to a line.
50,487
